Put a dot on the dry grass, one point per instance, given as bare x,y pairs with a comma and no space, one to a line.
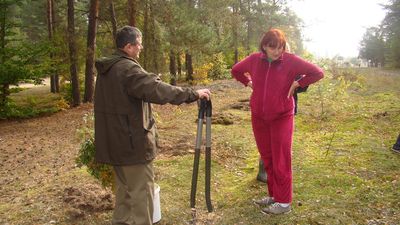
344,172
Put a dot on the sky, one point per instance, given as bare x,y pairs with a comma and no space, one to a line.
336,27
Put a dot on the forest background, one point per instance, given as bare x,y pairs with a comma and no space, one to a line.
344,172
189,40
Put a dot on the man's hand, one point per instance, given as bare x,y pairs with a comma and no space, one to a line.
204,93
293,87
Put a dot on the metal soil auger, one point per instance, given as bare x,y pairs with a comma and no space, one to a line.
205,108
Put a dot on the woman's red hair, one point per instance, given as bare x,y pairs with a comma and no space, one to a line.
273,38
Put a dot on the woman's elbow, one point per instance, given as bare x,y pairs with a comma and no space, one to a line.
321,74
234,72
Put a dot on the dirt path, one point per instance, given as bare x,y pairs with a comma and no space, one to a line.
35,156
40,182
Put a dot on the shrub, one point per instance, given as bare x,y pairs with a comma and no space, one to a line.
200,75
10,110
218,69
333,89
86,155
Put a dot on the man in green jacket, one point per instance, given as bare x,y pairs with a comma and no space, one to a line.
125,131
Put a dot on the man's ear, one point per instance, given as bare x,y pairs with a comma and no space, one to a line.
125,48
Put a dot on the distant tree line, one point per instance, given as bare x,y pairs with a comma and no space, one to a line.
381,45
61,39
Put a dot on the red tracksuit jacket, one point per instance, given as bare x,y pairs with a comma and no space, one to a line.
272,80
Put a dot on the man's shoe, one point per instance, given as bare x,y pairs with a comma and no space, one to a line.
262,177
396,148
264,201
276,208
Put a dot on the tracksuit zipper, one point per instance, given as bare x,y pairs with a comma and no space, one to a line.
265,87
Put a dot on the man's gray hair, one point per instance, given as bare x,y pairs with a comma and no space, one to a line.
126,35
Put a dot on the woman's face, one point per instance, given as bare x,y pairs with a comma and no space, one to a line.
273,52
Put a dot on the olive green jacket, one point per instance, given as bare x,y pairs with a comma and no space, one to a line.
125,131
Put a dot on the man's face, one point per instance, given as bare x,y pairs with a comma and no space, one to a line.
134,50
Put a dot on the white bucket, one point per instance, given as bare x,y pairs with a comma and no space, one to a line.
156,204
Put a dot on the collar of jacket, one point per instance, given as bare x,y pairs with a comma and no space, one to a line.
121,53
264,57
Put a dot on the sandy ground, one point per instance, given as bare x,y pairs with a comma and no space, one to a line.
37,158
40,181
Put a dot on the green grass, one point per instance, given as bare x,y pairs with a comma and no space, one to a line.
32,102
344,171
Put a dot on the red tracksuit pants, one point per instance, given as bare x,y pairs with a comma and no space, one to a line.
274,141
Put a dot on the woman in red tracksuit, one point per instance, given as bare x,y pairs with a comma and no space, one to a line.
271,74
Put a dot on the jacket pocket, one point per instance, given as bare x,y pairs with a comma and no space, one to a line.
128,125
150,142
143,137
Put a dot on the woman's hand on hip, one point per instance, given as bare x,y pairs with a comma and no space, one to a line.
250,84
293,87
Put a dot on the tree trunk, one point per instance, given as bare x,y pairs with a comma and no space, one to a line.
4,91
146,40
235,33
91,47
249,26
3,31
54,86
179,62
172,67
132,8
189,66
113,20
236,55
73,55
153,39
55,75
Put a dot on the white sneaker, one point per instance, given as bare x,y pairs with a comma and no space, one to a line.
264,201
276,208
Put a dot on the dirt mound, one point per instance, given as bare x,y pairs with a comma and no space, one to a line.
221,85
224,118
87,199
176,147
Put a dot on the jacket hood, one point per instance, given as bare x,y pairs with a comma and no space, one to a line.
104,64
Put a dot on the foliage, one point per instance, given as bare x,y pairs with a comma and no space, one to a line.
20,59
372,47
200,75
13,111
218,69
32,102
66,91
391,29
23,62
16,90
382,45
206,28
333,89
86,155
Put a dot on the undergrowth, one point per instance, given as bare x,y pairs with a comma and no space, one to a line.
343,169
